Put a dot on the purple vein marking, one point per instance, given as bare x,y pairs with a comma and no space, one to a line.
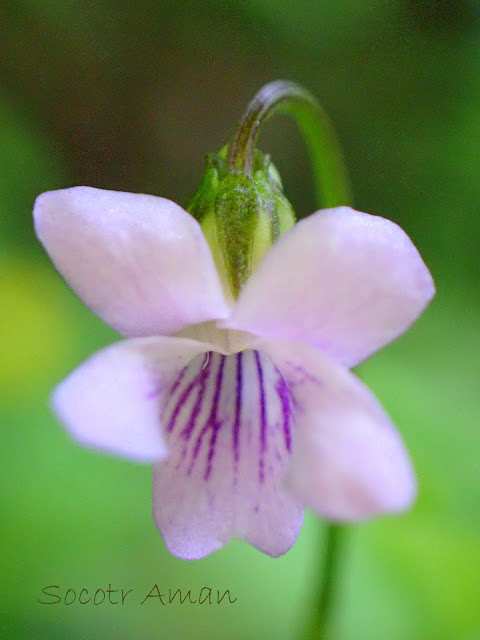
177,382
212,418
263,417
204,375
154,393
170,395
284,395
238,410
192,420
183,398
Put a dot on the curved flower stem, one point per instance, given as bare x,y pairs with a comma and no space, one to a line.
332,189
331,184
319,628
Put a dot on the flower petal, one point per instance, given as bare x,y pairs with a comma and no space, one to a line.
112,401
228,427
348,461
343,281
140,262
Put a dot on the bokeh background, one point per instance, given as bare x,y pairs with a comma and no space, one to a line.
131,96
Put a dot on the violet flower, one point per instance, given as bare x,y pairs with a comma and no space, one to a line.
246,407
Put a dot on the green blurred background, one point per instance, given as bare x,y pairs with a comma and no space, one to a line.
131,96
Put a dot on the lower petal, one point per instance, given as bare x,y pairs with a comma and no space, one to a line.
228,427
112,401
348,461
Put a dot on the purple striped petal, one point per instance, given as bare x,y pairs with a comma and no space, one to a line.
348,462
228,423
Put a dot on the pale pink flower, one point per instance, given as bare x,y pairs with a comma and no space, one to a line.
247,408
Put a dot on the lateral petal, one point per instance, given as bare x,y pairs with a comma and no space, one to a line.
113,400
348,461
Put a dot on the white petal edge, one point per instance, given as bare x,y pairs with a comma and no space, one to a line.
341,280
112,402
348,461
140,262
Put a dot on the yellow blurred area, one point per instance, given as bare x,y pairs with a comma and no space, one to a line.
34,327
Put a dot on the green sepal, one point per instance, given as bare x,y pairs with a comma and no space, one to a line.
241,215
204,199
237,212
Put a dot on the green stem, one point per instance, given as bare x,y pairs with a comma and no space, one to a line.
332,189
320,625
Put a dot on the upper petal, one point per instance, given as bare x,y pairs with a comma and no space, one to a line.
344,281
348,460
140,262
112,401
228,426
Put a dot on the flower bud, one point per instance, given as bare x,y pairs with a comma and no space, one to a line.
241,215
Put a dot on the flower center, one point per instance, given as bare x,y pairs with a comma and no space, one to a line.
229,341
